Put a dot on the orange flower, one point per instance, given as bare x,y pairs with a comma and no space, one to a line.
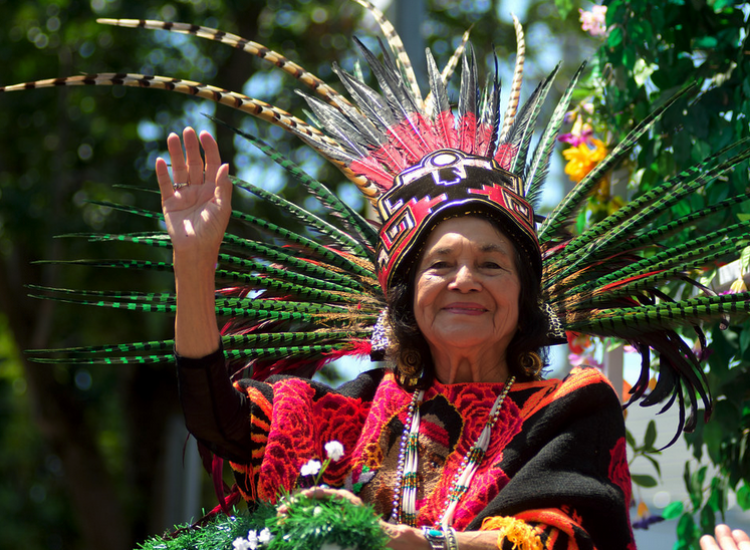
582,159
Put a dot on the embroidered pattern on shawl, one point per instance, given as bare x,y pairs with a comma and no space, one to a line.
463,411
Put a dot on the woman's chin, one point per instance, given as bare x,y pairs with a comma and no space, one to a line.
463,338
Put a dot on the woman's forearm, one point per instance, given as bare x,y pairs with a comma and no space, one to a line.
197,205
196,331
409,538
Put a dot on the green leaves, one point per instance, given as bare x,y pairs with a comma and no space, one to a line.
647,451
615,37
643,480
694,484
687,532
743,497
673,510
650,437
564,7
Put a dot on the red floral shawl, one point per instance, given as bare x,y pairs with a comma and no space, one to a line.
556,459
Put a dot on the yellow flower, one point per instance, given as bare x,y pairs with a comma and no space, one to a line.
615,204
738,286
582,159
642,509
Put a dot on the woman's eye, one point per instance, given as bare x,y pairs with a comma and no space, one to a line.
438,265
491,265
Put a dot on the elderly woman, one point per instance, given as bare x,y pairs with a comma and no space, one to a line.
458,444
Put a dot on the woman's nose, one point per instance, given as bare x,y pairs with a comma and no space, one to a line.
465,280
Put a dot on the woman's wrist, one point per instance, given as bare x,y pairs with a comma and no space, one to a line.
405,537
196,331
192,259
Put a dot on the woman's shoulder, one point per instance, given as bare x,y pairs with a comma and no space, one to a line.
582,388
578,377
582,377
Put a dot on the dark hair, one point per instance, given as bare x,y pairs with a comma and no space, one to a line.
412,353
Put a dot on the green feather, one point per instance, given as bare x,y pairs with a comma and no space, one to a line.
537,172
143,265
670,228
526,122
285,288
278,256
695,177
154,345
133,360
286,275
306,217
335,205
694,253
626,322
280,353
314,249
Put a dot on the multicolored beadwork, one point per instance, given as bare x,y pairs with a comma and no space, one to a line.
405,490
471,461
408,444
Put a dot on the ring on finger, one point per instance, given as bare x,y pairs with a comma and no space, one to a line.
177,186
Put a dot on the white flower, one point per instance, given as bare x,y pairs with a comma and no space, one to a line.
240,544
252,540
334,450
265,536
311,468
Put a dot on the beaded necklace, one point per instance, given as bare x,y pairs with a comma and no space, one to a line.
405,490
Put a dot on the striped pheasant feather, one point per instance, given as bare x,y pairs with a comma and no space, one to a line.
307,78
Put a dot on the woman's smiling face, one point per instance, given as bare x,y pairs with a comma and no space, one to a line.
467,287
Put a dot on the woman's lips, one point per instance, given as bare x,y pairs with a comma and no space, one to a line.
465,308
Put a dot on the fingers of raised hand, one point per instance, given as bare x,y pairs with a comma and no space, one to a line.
726,540
177,158
213,158
194,158
188,167
223,184
742,539
162,176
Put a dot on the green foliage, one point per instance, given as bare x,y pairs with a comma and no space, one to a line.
743,497
687,533
652,50
217,534
673,510
308,524
647,451
564,7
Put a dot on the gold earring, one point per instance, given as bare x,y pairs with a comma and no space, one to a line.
530,362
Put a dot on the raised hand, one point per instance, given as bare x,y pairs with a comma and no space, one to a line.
726,539
197,205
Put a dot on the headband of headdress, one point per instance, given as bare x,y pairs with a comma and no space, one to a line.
310,301
446,181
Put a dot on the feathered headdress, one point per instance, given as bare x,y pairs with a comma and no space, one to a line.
293,303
